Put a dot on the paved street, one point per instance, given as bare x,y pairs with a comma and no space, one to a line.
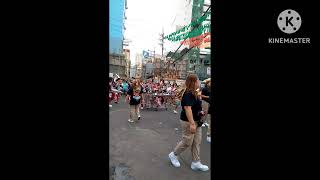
139,151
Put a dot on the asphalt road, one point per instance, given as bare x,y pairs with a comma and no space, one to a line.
139,151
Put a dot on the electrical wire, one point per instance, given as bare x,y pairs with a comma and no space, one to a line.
190,31
189,48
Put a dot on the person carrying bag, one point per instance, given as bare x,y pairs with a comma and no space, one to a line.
191,119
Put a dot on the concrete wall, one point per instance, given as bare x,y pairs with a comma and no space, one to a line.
115,69
117,64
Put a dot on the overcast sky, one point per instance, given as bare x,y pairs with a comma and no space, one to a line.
145,19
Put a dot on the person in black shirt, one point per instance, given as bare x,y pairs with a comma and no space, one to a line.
135,98
191,116
206,95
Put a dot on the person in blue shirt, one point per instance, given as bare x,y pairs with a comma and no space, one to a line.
125,87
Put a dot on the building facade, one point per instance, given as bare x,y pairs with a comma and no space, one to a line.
117,56
148,70
133,69
197,56
117,18
128,62
196,59
139,65
117,64
176,69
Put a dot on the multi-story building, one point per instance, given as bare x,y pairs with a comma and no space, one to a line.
197,56
117,64
117,17
117,57
156,66
149,70
182,18
176,69
128,62
133,70
138,62
196,59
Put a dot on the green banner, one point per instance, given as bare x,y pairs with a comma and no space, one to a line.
174,36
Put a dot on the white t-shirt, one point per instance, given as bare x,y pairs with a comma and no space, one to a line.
169,89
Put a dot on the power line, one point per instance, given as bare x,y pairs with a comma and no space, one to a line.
187,51
191,31
193,46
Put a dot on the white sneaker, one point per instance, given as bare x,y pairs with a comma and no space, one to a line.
203,125
174,111
139,117
199,166
141,107
130,120
110,105
206,124
208,139
174,160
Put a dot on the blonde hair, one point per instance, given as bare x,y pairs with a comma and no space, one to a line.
135,84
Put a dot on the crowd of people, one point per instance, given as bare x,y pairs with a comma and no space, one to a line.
195,103
156,94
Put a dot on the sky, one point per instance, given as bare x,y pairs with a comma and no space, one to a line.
145,20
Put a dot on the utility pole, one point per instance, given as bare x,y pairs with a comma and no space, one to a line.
161,44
